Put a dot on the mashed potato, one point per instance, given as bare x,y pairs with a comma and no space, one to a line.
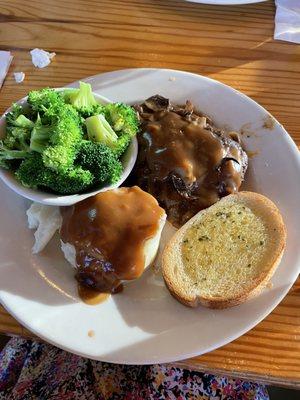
46,220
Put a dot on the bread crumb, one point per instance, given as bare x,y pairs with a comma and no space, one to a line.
91,333
155,269
172,78
269,285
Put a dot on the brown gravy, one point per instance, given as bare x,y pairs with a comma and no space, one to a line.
184,161
108,232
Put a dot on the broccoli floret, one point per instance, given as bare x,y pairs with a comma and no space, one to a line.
59,158
7,155
31,171
74,180
116,129
83,100
17,138
40,136
23,122
18,129
67,129
122,144
34,174
44,100
123,119
13,114
101,161
64,140
57,142
99,130
17,118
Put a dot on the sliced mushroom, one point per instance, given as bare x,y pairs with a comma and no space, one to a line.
224,160
157,103
182,188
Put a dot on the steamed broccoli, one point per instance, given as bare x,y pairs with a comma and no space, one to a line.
57,130
83,100
122,118
100,160
45,141
115,128
58,141
64,140
59,158
99,130
17,117
33,173
75,180
40,136
45,100
7,155
13,114
124,122
17,138
22,122
18,129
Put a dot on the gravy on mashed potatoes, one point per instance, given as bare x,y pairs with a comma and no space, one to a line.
109,232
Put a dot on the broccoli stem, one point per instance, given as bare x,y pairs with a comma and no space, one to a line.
99,130
12,154
82,97
40,137
7,154
23,122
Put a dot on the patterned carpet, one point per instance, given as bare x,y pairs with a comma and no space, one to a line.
274,392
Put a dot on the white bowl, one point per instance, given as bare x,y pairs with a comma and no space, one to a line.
128,160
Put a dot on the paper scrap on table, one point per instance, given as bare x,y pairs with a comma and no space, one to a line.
287,20
41,58
19,76
5,60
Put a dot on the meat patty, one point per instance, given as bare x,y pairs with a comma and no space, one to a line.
184,160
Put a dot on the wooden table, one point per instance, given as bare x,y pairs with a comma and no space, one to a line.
231,44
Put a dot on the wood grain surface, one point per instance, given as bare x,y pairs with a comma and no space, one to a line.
233,44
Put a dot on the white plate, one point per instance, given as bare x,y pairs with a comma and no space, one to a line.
144,324
225,2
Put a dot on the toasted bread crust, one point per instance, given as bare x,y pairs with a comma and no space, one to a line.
270,215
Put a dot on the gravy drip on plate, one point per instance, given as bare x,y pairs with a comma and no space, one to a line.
184,161
108,232
91,296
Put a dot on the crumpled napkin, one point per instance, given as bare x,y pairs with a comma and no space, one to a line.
41,58
5,60
287,20
19,77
